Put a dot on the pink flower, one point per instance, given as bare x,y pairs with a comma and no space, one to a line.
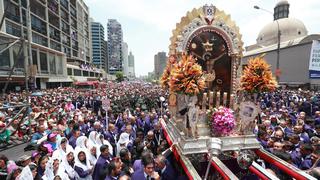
223,121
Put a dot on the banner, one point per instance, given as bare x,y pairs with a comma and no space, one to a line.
314,63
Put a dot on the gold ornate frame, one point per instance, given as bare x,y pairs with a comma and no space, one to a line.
221,23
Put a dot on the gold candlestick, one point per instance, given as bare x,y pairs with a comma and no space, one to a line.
232,101
218,99
225,97
204,101
210,99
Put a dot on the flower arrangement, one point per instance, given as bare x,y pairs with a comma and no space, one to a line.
257,76
223,121
186,77
165,78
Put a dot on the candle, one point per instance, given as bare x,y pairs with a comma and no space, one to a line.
210,99
231,101
218,99
204,101
225,97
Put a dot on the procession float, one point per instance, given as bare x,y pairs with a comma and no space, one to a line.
213,103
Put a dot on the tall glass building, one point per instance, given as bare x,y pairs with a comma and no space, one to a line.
98,45
115,39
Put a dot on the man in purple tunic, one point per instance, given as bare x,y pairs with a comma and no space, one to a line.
100,169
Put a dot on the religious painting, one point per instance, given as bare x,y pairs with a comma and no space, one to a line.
210,49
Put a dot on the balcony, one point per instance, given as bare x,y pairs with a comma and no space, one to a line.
64,16
39,39
66,50
13,12
73,12
75,45
55,45
54,34
65,4
53,6
75,53
65,28
13,29
38,25
65,40
74,35
38,9
73,23
54,20
73,3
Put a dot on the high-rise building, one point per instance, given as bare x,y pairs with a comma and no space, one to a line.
160,61
106,56
125,59
98,45
131,70
115,39
59,33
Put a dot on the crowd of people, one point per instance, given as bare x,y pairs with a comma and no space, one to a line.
74,136
289,127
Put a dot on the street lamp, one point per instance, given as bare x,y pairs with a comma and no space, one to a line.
162,99
278,46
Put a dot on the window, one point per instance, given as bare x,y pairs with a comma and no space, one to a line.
52,63
39,39
38,25
43,63
38,9
77,72
54,33
34,57
85,73
69,71
65,27
64,3
64,16
13,29
13,11
18,57
55,46
5,59
91,74
53,6
60,64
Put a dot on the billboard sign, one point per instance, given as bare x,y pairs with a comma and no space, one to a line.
314,63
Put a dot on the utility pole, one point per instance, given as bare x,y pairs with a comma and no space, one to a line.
29,37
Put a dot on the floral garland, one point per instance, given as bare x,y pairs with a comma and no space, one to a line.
257,76
186,77
223,121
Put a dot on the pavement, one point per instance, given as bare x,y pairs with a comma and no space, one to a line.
14,152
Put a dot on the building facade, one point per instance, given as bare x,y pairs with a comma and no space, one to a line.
292,54
125,64
115,39
160,60
59,33
131,73
98,45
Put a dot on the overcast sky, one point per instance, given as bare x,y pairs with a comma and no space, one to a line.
147,24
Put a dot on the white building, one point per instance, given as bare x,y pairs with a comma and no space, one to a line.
294,48
131,66
60,35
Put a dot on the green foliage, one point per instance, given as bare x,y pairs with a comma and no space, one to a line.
119,76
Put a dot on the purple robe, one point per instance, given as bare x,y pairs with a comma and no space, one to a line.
101,167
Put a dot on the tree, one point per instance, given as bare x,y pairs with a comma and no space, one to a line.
119,76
